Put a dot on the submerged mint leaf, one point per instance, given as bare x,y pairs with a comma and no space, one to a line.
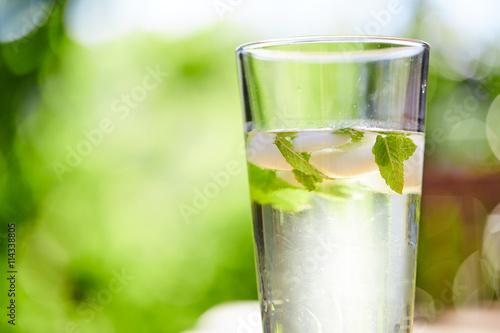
267,188
308,181
338,191
304,172
265,180
356,135
390,153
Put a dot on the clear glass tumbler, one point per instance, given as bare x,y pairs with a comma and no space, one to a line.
334,130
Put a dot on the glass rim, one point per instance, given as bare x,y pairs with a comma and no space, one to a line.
354,39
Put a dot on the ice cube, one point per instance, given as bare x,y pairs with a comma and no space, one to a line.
262,151
306,142
355,160
413,166
376,183
289,177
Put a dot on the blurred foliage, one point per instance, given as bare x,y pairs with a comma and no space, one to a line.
115,210
146,229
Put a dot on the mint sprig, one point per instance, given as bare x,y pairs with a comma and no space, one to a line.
390,152
304,172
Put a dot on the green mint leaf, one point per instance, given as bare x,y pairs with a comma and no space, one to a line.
390,153
338,192
356,135
267,188
265,180
304,172
290,199
308,181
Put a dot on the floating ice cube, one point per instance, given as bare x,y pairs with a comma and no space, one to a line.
376,183
355,160
413,166
306,142
262,152
289,177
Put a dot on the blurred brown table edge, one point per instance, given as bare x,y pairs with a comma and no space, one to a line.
440,180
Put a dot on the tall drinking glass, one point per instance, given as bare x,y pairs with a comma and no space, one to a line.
334,130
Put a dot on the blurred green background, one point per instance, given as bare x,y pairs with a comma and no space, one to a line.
115,116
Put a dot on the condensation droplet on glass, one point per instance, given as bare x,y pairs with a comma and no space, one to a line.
424,87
